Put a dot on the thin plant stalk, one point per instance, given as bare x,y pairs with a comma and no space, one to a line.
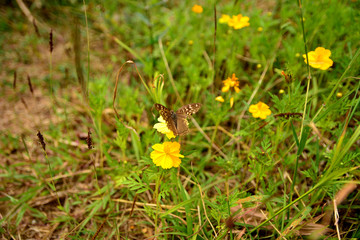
88,47
52,176
306,100
96,177
156,196
51,44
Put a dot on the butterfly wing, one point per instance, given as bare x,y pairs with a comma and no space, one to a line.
189,109
182,114
168,116
181,124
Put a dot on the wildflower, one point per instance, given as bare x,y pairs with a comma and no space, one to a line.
231,102
260,29
224,18
238,21
281,91
297,55
258,65
166,155
320,58
260,110
219,99
162,128
190,42
231,83
197,9
339,94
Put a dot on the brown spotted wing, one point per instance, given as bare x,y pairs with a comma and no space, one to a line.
176,121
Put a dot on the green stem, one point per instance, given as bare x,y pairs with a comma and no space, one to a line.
88,50
156,196
307,64
52,176
285,208
50,77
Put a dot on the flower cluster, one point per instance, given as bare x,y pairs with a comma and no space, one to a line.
320,58
229,83
232,82
167,154
236,21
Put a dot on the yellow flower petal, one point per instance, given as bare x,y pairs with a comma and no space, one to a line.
158,147
253,108
263,114
219,99
170,135
234,78
224,18
231,102
232,82
260,110
156,155
320,58
162,128
225,88
166,155
238,21
197,9
176,160
322,51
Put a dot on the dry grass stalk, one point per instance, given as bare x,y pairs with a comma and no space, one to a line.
51,42
30,85
41,140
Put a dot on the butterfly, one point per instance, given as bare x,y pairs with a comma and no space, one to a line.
176,121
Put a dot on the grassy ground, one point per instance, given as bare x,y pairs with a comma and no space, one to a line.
293,175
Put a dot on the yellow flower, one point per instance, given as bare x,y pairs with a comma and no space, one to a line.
190,42
258,65
281,91
238,21
197,9
231,102
166,155
339,94
297,55
231,83
260,29
320,58
260,110
224,18
162,128
219,99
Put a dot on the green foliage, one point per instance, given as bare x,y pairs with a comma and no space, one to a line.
281,170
